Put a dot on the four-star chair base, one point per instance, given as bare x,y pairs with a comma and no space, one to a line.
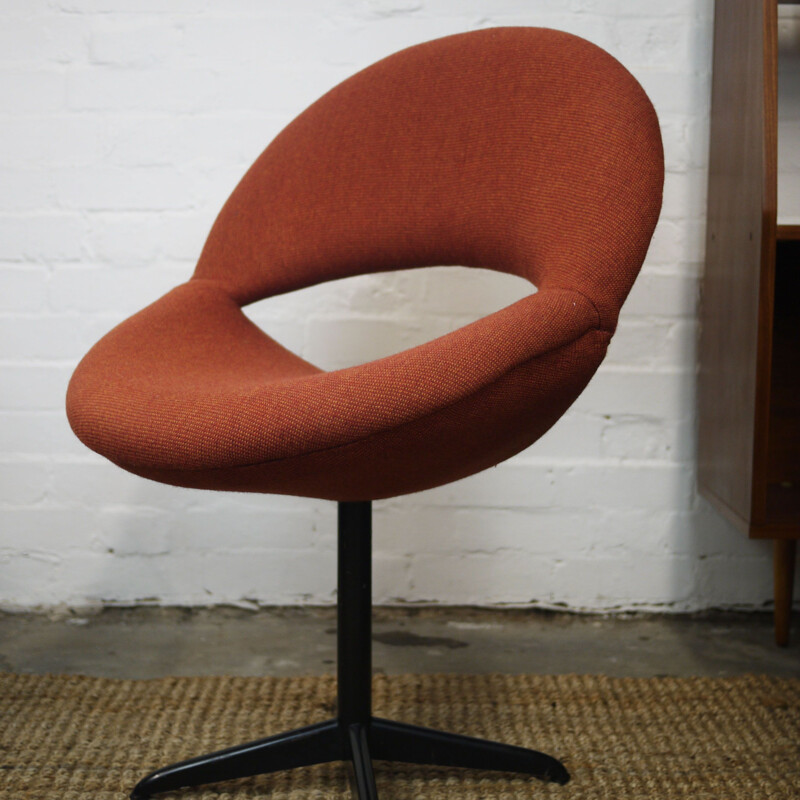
354,735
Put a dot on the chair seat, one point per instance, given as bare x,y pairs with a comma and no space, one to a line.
190,392
524,150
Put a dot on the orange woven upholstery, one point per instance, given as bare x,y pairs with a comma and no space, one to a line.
522,150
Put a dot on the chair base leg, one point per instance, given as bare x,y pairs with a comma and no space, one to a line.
315,744
399,741
357,743
362,762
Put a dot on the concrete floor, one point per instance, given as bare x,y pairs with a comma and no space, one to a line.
153,642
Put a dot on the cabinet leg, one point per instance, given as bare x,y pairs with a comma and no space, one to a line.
783,564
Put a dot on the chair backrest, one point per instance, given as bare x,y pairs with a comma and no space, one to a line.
524,150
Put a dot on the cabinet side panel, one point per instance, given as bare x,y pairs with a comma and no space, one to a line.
766,306
730,288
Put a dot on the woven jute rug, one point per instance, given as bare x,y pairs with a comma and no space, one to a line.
76,738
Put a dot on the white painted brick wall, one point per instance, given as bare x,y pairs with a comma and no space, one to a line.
124,125
789,115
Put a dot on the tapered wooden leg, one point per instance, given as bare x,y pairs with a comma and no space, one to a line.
784,554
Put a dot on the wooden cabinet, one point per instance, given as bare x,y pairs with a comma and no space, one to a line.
749,372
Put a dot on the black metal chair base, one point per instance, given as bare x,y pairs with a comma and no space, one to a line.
354,735
358,743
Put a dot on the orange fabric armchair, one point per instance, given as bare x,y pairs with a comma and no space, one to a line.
523,150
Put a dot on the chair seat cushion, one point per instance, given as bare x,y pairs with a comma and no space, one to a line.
190,392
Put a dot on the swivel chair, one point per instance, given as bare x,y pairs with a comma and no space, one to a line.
523,150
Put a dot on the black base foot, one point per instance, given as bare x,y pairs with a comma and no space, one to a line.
315,744
398,741
358,743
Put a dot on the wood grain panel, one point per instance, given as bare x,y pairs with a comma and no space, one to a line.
766,300
740,233
783,466
784,435
788,233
